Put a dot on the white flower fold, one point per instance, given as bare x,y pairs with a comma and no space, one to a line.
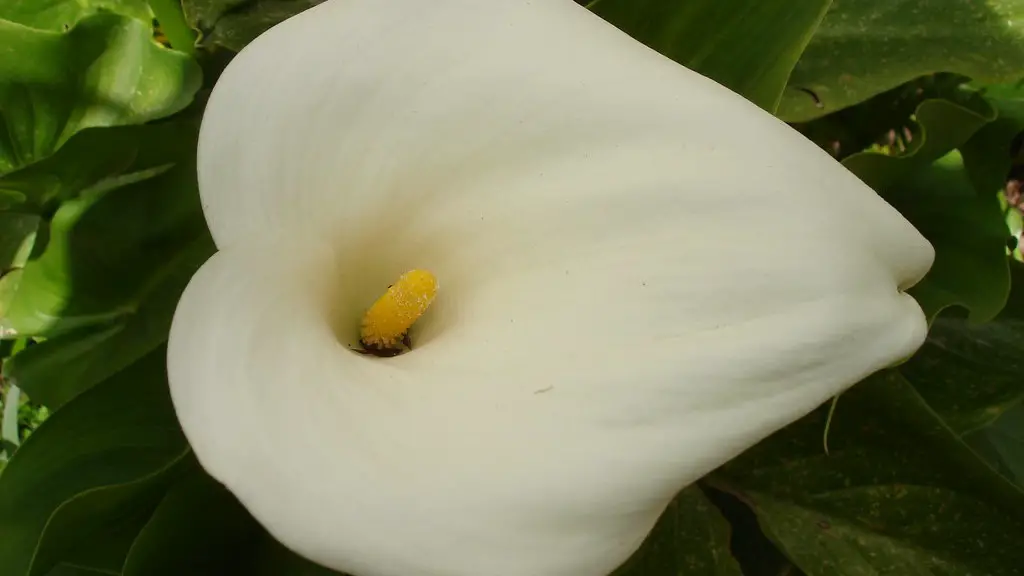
641,275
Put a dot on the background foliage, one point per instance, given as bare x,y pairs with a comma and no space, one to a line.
917,470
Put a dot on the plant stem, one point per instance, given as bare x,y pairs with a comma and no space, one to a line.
9,429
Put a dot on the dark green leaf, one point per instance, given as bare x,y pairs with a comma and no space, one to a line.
865,47
1002,444
969,234
89,157
199,529
67,570
96,528
269,558
235,23
691,537
105,71
970,373
203,14
84,463
930,186
899,493
749,46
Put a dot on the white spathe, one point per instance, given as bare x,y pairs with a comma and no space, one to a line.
642,275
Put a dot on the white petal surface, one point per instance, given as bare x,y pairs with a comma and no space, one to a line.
641,275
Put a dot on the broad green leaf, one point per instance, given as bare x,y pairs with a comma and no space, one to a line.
969,234
96,453
113,245
235,23
61,15
865,47
1002,444
749,46
105,71
970,375
17,238
199,529
691,537
898,493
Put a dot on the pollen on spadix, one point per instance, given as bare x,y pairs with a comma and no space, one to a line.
388,321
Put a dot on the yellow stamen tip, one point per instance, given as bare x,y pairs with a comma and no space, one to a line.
389,319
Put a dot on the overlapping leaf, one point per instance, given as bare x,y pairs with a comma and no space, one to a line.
691,537
105,70
934,188
234,23
98,462
116,258
865,47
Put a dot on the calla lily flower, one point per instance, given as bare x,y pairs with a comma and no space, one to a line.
639,274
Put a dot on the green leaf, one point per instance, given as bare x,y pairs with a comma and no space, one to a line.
970,376
60,15
1001,443
113,245
89,157
931,187
898,493
235,23
66,570
203,14
96,528
749,46
865,47
691,537
105,71
199,529
969,234
116,259
943,126
970,373
60,368
17,238
91,462
267,557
